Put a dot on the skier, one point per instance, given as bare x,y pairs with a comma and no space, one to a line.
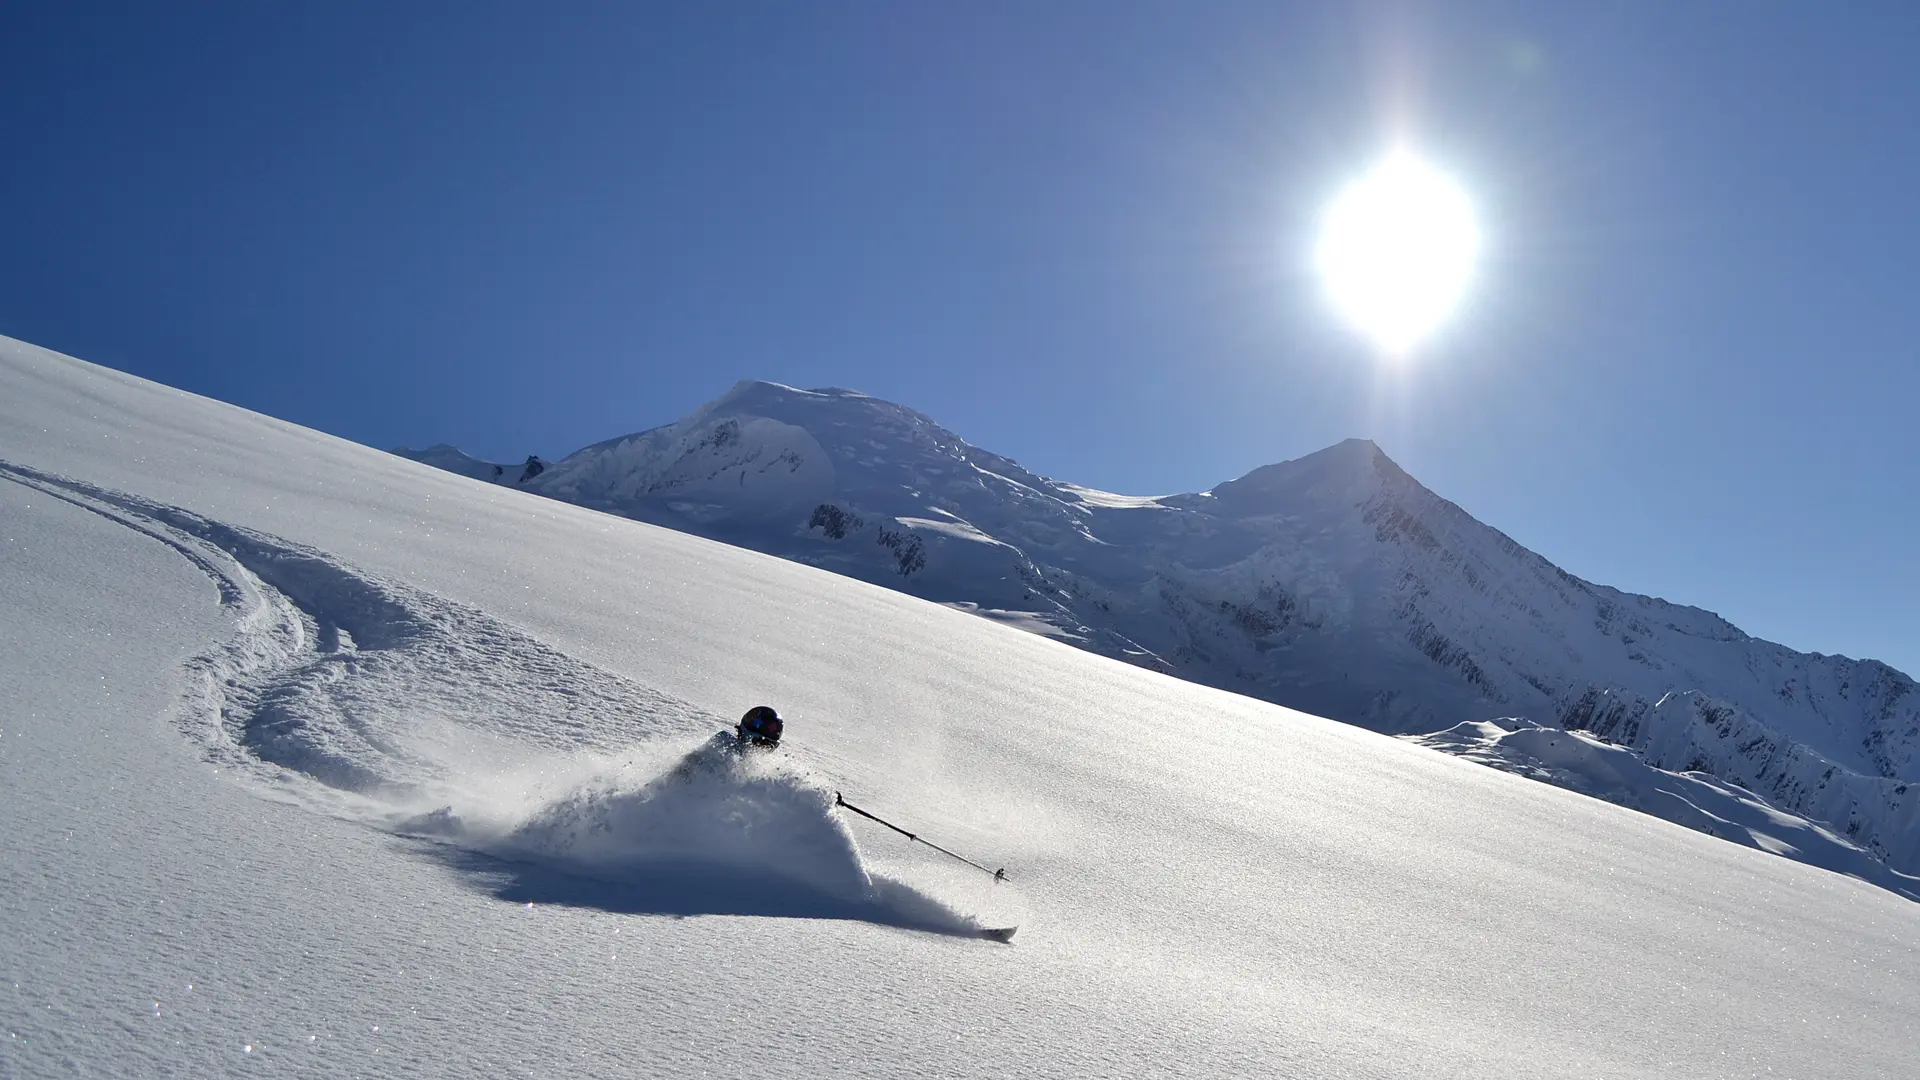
761,727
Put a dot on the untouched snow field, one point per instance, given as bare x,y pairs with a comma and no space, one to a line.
318,762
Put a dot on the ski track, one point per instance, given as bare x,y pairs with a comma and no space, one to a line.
382,702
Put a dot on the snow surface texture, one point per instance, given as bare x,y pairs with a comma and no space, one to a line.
1208,885
1335,584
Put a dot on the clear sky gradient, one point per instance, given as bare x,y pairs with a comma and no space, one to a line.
1074,233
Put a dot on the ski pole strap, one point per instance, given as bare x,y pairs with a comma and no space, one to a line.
999,875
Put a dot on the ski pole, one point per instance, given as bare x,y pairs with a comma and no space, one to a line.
998,875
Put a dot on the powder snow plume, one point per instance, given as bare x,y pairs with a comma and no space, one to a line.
715,831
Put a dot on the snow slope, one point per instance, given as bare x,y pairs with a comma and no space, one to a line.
1335,584
316,762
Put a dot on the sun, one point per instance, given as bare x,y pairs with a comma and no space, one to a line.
1397,250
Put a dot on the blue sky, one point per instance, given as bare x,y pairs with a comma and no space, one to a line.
1075,233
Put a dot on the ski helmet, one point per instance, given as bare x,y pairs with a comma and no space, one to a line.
761,726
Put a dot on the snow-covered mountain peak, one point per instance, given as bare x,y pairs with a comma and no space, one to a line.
750,394
852,425
765,449
1347,473
763,398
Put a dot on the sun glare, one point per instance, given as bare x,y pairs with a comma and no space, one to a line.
1396,252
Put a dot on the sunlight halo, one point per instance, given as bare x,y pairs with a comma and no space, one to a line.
1396,251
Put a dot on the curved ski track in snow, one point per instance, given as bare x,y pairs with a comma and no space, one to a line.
431,718
346,679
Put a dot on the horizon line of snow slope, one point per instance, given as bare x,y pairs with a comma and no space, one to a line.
1214,885
1335,583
